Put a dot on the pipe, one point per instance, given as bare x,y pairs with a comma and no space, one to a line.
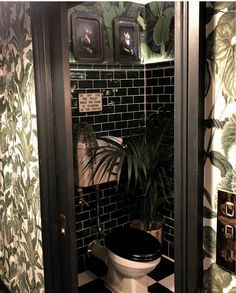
99,228
97,249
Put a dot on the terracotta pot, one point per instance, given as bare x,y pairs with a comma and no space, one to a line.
157,234
155,228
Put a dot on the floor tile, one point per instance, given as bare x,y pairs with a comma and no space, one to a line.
95,286
86,277
158,288
147,281
164,269
169,282
96,266
160,280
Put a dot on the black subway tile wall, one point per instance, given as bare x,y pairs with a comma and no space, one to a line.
160,94
166,213
115,210
122,89
129,92
160,86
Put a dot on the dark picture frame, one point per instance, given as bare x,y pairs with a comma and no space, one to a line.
87,37
126,40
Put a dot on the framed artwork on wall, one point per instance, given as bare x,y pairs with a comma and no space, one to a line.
126,40
87,37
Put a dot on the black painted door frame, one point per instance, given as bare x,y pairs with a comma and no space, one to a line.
52,83
50,49
189,149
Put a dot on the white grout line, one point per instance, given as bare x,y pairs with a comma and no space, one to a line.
167,257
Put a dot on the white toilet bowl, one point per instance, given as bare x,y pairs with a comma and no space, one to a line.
130,255
125,275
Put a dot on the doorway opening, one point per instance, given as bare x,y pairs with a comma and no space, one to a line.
50,29
130,90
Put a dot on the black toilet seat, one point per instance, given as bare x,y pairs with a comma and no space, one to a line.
133,244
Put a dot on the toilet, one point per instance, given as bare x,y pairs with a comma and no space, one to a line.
130,255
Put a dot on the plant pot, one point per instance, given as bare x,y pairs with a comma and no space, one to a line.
155,228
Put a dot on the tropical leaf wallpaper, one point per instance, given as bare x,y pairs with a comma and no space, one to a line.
156,26
21,261
220,132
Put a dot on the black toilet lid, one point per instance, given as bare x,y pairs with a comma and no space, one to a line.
133,244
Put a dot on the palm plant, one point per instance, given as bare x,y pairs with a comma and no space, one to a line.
143,163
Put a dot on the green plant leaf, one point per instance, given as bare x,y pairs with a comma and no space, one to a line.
220,161
141,22
228,183
207,78
3,104
161,29
13,270
233,182
121,6
210,12
41,278
221,5
148,55
208,213
82,8
210,43
132,10
214,123
216,279
156,8
224,53
39,265
109,14
207,196
228,138
143,162
209,240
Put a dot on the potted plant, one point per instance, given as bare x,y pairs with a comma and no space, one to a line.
144,161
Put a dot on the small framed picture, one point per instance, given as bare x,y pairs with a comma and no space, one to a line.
126,40
87,37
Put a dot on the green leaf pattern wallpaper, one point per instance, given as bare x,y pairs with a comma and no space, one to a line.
21,261
156,26
220,132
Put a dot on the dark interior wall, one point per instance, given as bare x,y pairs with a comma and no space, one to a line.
160,95
129,93
159,86
115,210
134,89
122,89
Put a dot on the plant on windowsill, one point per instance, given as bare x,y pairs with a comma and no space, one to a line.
144,162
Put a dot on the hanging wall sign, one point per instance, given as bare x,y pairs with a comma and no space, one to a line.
90,102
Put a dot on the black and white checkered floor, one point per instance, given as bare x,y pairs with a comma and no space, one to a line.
160,280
